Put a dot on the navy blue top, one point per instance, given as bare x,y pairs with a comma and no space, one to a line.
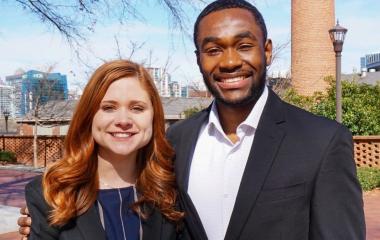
120,221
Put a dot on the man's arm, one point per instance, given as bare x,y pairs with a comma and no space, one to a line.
24,222
337,204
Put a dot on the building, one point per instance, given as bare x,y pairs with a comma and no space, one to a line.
164,84
313,56
7,100
156,74
175,108
161,80
54,119
55,116
15,81
371,78
370,62
185,91
35,87
175,89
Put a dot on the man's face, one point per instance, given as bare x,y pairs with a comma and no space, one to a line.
232,56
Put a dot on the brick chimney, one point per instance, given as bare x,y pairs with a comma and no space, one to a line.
313,57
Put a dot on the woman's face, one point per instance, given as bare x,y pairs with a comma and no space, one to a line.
123,123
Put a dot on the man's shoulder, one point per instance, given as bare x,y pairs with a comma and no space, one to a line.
294,113
305,120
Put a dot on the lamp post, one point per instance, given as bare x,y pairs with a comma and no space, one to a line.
337,34
6,114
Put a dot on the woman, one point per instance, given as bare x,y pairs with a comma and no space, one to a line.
116,179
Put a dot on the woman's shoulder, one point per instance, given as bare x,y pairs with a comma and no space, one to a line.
34,186
34,196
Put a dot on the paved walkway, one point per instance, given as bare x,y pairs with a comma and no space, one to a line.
372,214
13,180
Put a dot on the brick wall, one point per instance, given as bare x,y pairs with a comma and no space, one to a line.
367,151
313,57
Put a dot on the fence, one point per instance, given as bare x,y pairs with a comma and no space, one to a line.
49,148
366,149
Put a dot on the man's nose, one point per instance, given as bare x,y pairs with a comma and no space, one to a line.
231,61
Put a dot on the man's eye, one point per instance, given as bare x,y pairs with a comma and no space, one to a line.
245,47
213,51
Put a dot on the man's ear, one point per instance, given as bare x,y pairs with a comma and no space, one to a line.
197,55
268,48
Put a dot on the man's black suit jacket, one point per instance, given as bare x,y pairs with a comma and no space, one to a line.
299,182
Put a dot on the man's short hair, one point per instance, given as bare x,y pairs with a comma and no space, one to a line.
225,4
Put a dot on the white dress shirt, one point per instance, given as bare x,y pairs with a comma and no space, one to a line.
217,168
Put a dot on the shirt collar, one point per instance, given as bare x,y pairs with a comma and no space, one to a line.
251,121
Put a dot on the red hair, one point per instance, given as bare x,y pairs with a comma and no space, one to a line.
71,184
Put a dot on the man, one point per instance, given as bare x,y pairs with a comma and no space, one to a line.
252,166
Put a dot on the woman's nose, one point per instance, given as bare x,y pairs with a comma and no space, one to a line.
124,119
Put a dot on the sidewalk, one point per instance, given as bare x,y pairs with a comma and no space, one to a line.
372,214
13,180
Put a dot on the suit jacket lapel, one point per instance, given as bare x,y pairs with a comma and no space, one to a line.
90,226
268,137
151,227
184,147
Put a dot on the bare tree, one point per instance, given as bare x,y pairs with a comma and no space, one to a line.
75,19
40,98
133,48
278,50
281,84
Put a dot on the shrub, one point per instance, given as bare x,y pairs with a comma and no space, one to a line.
369,178
191,111
360,105
7,156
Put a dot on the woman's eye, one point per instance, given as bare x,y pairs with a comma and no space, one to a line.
137,108
107,108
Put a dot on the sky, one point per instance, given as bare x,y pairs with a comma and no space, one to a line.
27,43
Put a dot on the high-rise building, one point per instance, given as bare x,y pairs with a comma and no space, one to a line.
161,79
35,87
185,91
175,89
313,56
7,100
164,85
370,61
156,74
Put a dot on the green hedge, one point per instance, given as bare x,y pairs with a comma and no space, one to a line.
369,177
9,157
360,105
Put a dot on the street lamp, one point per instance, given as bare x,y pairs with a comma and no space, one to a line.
6,114
337,35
